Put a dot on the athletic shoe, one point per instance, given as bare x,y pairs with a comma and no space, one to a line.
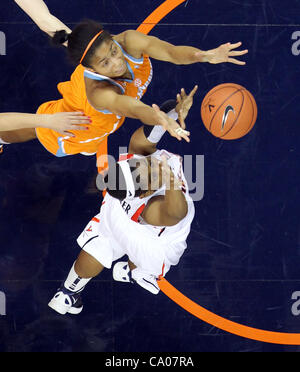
66,302
148,282
122,273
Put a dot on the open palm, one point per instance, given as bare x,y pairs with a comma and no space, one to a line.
226,52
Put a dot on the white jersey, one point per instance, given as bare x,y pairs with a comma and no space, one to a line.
120,226
134,208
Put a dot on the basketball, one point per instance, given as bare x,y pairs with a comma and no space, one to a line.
229,111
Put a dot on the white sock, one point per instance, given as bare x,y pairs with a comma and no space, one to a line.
75,283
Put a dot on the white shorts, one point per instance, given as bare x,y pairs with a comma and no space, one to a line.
149,255
103,248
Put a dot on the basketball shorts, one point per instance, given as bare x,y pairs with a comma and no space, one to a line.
148,255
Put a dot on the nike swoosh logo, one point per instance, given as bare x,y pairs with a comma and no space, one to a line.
225,116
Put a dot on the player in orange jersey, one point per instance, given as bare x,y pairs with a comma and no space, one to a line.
112,76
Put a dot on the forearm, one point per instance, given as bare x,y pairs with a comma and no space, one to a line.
175,203
185,55
146,115
38,11
134,109
148,136
51,24
164,51
14,121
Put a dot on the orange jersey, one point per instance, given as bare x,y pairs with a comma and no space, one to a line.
104,122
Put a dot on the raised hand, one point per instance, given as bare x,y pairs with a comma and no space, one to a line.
171,125
184,103
224,53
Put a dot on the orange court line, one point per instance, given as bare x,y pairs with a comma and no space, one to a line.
225,324
207,316
161,12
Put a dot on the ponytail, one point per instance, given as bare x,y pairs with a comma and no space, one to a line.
79,40
60,37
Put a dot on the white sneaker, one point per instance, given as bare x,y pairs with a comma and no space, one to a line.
148,282
64,303
121,272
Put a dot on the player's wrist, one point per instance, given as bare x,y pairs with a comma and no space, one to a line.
43,120
208,56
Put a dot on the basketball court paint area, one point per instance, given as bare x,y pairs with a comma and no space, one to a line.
242,261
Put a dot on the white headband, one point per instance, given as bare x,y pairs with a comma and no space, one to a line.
130,189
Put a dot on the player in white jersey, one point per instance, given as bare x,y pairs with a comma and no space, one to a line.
146,214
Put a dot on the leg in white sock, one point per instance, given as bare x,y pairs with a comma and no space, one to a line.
67,299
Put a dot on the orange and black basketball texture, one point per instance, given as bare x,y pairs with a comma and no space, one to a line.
229,111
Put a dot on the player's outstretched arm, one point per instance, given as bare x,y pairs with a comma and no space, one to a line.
61,122
38,11
107,98
182,55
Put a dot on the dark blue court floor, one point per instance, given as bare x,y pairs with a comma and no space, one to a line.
243,256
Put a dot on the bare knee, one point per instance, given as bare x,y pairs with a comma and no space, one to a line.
86,266
131,265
